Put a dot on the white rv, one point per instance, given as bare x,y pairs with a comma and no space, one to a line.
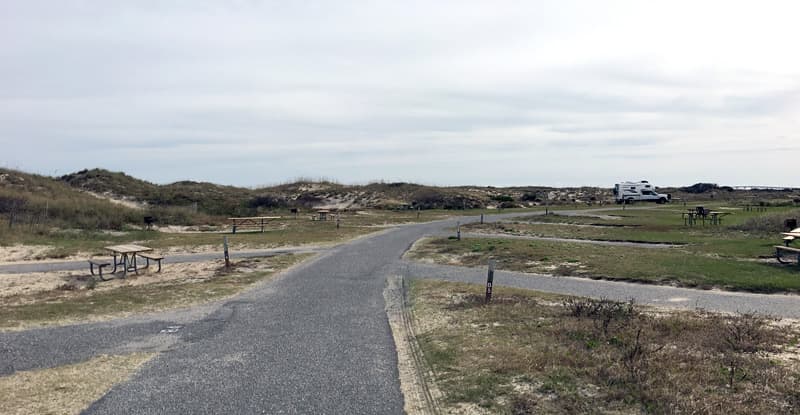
627,192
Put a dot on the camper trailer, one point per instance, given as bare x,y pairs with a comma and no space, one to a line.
628,192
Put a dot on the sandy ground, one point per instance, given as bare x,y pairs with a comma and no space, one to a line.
18,289
16,254
416,382
20,252
193,229
122,202
67,389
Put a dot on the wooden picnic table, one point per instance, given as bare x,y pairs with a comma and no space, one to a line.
127,254
253,221
788,238
692,215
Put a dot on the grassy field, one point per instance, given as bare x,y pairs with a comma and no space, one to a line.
529,353
738,255
732,239
674,266
83,300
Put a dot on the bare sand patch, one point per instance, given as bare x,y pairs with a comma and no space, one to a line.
17,289
66,389
18,285
82,298
117,201
19,252
419,393
205,229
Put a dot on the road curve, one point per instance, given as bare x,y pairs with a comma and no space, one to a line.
316,340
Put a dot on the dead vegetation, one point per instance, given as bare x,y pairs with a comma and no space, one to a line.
533,353
67,389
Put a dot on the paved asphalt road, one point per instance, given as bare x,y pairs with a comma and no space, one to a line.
315,340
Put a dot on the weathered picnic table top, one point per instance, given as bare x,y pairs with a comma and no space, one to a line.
256,217
128,249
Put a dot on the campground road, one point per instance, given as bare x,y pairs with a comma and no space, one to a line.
779,305
316,340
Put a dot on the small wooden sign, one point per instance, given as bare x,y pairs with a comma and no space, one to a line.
490,281
227,257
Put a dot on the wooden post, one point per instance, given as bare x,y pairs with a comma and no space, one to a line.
337,221
481,218
227,257
458,230
489,281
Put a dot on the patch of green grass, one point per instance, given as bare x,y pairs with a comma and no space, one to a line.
681,266
655,225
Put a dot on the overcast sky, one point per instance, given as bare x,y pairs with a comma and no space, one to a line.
487,92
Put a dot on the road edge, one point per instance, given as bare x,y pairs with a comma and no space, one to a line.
420,395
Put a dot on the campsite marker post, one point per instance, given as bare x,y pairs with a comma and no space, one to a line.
490,281
227,257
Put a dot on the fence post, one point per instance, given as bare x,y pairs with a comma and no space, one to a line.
227,257
458,230
481,218
489,281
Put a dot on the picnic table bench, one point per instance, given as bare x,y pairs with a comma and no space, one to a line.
151,257
251,222
781,250
99,264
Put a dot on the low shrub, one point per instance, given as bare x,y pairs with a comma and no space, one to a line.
769,223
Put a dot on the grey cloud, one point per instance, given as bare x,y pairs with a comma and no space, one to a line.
359,90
